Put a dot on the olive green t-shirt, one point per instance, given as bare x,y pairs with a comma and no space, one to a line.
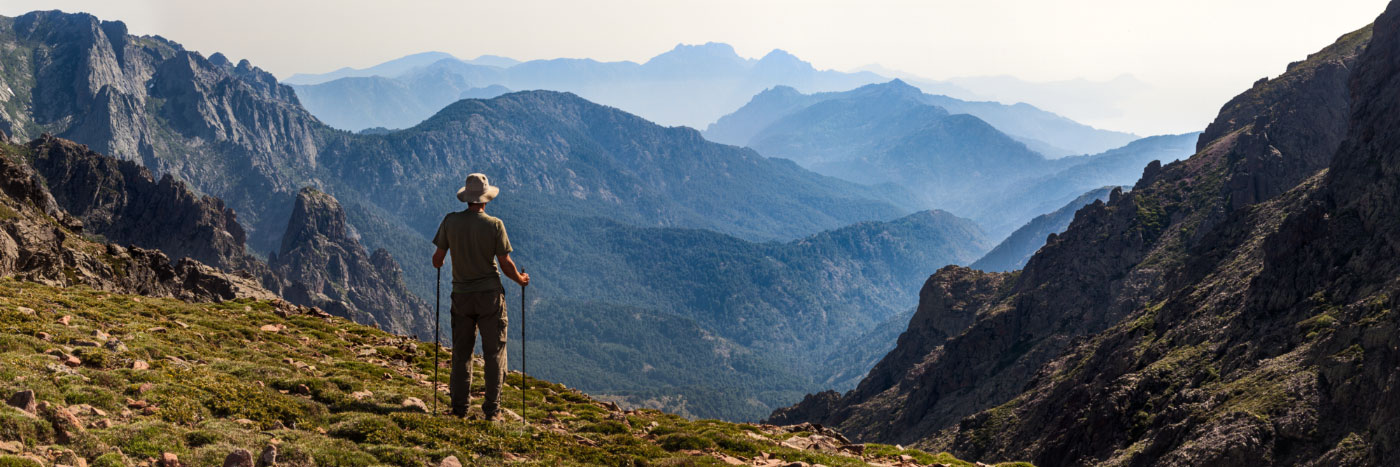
474,239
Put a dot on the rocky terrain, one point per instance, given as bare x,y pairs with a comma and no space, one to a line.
102,379
123,203
1232,309
119,201
41,242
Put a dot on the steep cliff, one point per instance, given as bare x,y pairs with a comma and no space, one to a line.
230,130
1202,319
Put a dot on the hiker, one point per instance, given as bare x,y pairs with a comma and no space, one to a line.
477,242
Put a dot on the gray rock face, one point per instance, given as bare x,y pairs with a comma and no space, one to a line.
94,83
322,264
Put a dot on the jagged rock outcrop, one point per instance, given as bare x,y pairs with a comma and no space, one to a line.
324,265
121,201
41,242
1231,310
1013,252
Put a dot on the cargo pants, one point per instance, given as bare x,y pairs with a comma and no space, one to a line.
472,311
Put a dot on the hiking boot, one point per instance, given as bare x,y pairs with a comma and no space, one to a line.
494,417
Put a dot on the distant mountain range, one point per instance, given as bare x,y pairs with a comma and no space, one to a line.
950,159
607,210
690,85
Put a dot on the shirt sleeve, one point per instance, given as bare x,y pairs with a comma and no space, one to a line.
441,238
503,245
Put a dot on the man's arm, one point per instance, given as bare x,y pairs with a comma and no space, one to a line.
438,257
508,268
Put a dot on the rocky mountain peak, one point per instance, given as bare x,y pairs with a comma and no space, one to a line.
315,215
323,264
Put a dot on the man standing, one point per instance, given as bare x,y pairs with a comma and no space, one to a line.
477,242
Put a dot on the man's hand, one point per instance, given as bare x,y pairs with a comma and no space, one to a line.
508,268
438,258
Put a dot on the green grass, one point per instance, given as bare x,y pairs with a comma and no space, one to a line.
219,383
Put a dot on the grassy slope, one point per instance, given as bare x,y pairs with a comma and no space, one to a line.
220,381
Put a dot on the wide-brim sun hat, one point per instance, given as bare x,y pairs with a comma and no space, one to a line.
477,189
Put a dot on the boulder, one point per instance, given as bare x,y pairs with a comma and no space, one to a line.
268,457
239,458
450,461
66,426
23,400
415,404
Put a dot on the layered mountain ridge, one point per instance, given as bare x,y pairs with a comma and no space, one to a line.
939,149
689,85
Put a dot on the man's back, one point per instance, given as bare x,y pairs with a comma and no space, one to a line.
474,239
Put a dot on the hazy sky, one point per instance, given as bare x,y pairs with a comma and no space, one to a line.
1194,54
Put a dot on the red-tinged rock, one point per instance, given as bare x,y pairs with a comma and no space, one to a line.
72,361
65,319
169,459
140,365
66,426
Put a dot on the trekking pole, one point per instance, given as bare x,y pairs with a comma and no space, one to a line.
523,420
437,340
